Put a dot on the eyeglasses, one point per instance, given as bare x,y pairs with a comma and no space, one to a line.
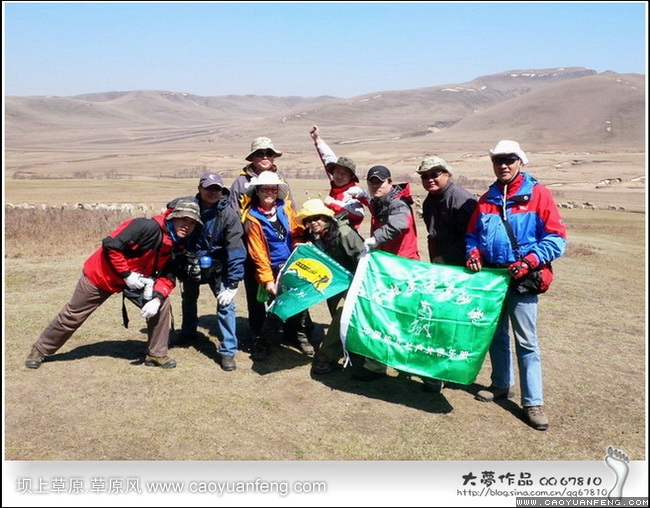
507,160
213,188
273,190
426,176
314,218
264,153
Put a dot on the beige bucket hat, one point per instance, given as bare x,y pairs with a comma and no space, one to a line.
262,143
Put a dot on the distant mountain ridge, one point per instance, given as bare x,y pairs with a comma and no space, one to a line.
544,109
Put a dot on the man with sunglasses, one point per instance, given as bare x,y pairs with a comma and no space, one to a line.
261,157
446,211
516,201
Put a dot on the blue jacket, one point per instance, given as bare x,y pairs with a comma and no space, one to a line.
221,237
532,214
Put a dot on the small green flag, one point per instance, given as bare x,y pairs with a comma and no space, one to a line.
427,319
308,277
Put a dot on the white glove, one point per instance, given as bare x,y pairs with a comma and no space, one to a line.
357,193
150,309
370,243
226,297
134,281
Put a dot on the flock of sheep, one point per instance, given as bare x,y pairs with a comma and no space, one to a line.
140,208
147,210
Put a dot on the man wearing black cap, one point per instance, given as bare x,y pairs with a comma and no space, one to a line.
392,226
221,240
392,229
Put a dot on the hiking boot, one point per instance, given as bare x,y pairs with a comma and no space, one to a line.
228,363
164,362
536,417
432,385
493,393
364,374
34,359
306,347
322,367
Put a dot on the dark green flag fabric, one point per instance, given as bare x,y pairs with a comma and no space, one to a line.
308,277
426,319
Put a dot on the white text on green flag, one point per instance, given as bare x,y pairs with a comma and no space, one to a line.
427,319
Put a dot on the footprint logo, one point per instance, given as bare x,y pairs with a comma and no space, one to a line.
617,461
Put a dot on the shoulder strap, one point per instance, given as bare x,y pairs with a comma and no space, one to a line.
511,234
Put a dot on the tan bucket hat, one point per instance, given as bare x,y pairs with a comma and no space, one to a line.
262,143
433,162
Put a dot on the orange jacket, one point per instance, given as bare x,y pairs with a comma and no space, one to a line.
267,264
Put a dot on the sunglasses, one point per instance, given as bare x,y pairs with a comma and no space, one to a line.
509,159
273,190
264,153
315,217
426,176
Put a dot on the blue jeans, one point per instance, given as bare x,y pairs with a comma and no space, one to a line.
521,312
226,316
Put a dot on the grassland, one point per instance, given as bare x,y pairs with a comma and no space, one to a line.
94,400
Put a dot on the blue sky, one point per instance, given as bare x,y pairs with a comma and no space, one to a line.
305,49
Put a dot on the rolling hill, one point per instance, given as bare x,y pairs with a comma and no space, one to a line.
160,132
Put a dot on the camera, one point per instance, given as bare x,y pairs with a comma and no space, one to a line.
188,267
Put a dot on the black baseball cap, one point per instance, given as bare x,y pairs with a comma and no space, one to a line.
381,172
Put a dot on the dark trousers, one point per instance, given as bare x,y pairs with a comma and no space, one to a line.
256,310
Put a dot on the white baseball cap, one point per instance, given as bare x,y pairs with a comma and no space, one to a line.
507,147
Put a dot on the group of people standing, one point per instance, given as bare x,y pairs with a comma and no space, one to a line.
222,237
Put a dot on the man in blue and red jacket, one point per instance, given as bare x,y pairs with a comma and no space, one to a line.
138,248
516,199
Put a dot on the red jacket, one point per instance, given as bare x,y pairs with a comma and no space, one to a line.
393,222
139,245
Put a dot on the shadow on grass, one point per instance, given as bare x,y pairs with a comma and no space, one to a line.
402,390
506,404
133,350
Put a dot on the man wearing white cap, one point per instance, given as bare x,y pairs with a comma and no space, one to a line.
526,233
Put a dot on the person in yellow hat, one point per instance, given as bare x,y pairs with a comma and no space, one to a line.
343,244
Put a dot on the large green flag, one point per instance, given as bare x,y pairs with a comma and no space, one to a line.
427,319
308,277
